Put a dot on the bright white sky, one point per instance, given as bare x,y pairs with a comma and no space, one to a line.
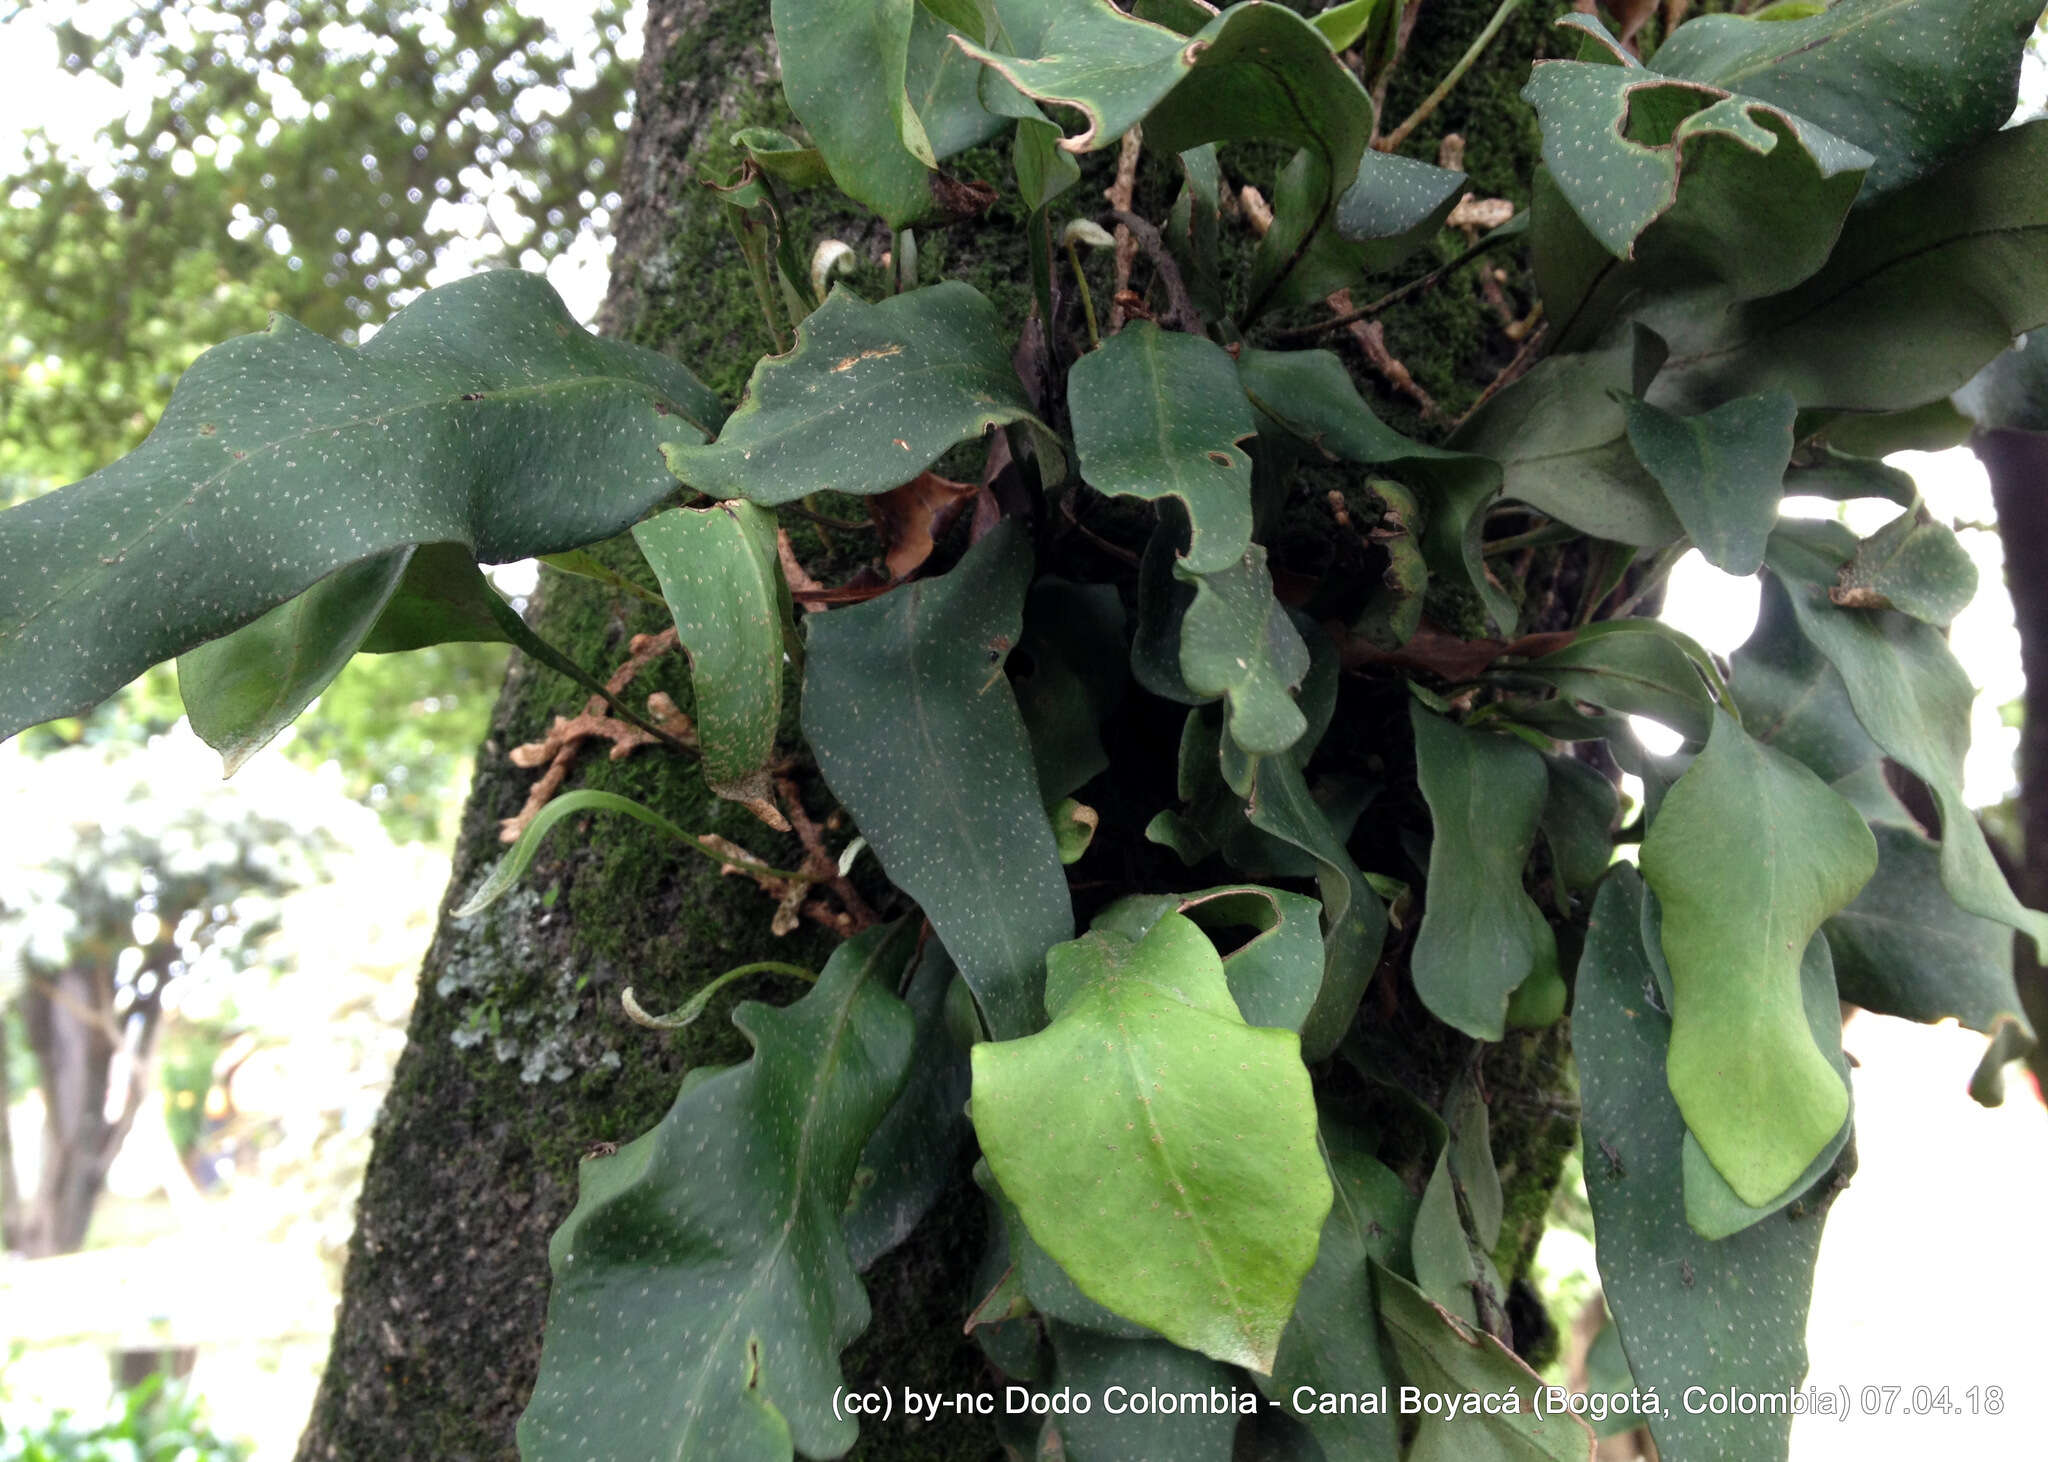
1715,609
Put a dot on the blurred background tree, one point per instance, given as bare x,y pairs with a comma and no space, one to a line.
324,159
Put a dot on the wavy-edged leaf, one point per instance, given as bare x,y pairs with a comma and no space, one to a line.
1748,855
917,1149
1712,1207
1332,1344
481,415
1049,1289
1278,804
1160,414
1910,81
1067,685
1638,667
871,396
1149,1097
1580,809
1625,143
1391,207
1722,471
1912,564
1691,1312
719,573
244,688
1440,1354
917,734
1481,934
1275,975
2010,394
1453,1264
1561,440
1924,288
1904,948
702,1284
1086,55
1791,697
845,70
1914,700
944,82
1089,1364
1237,642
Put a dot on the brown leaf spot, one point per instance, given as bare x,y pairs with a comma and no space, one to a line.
913,517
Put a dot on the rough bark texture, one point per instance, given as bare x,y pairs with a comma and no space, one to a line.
2017,463
518,1057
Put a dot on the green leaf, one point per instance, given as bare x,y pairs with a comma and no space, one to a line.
1343,24
1562,443
1912,564
782,156
719,573
1624,143
1277,803
1237,642
702,1284
1924,288
1637,667
1311,395
1451,1260
1843,478
1914,700
944,83
1070,686
845,71
871,396
1718,1315
1437,1353
244,688
1904,948
1480,932
1749,853
1160,414
1791,697
1089,1364
1722,471
1150,1098
1049,1288
1332,1345
2010,394
914,727
1392,613
1391,208
916,1150
1087,55
284,457
1712,1207
1951,72
1275,975
1580,809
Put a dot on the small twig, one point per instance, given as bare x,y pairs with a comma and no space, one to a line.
1457,73
1392,297
1371,337
819,864
1509,374
558,748
1180,311
1121,195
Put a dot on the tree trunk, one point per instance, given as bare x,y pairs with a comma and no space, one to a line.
2017,463
518,1058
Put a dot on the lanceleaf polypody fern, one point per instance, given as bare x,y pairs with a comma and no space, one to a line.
1765,253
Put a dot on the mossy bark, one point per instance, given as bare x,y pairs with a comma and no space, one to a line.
518,1057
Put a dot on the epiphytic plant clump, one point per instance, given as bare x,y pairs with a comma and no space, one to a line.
1176,819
